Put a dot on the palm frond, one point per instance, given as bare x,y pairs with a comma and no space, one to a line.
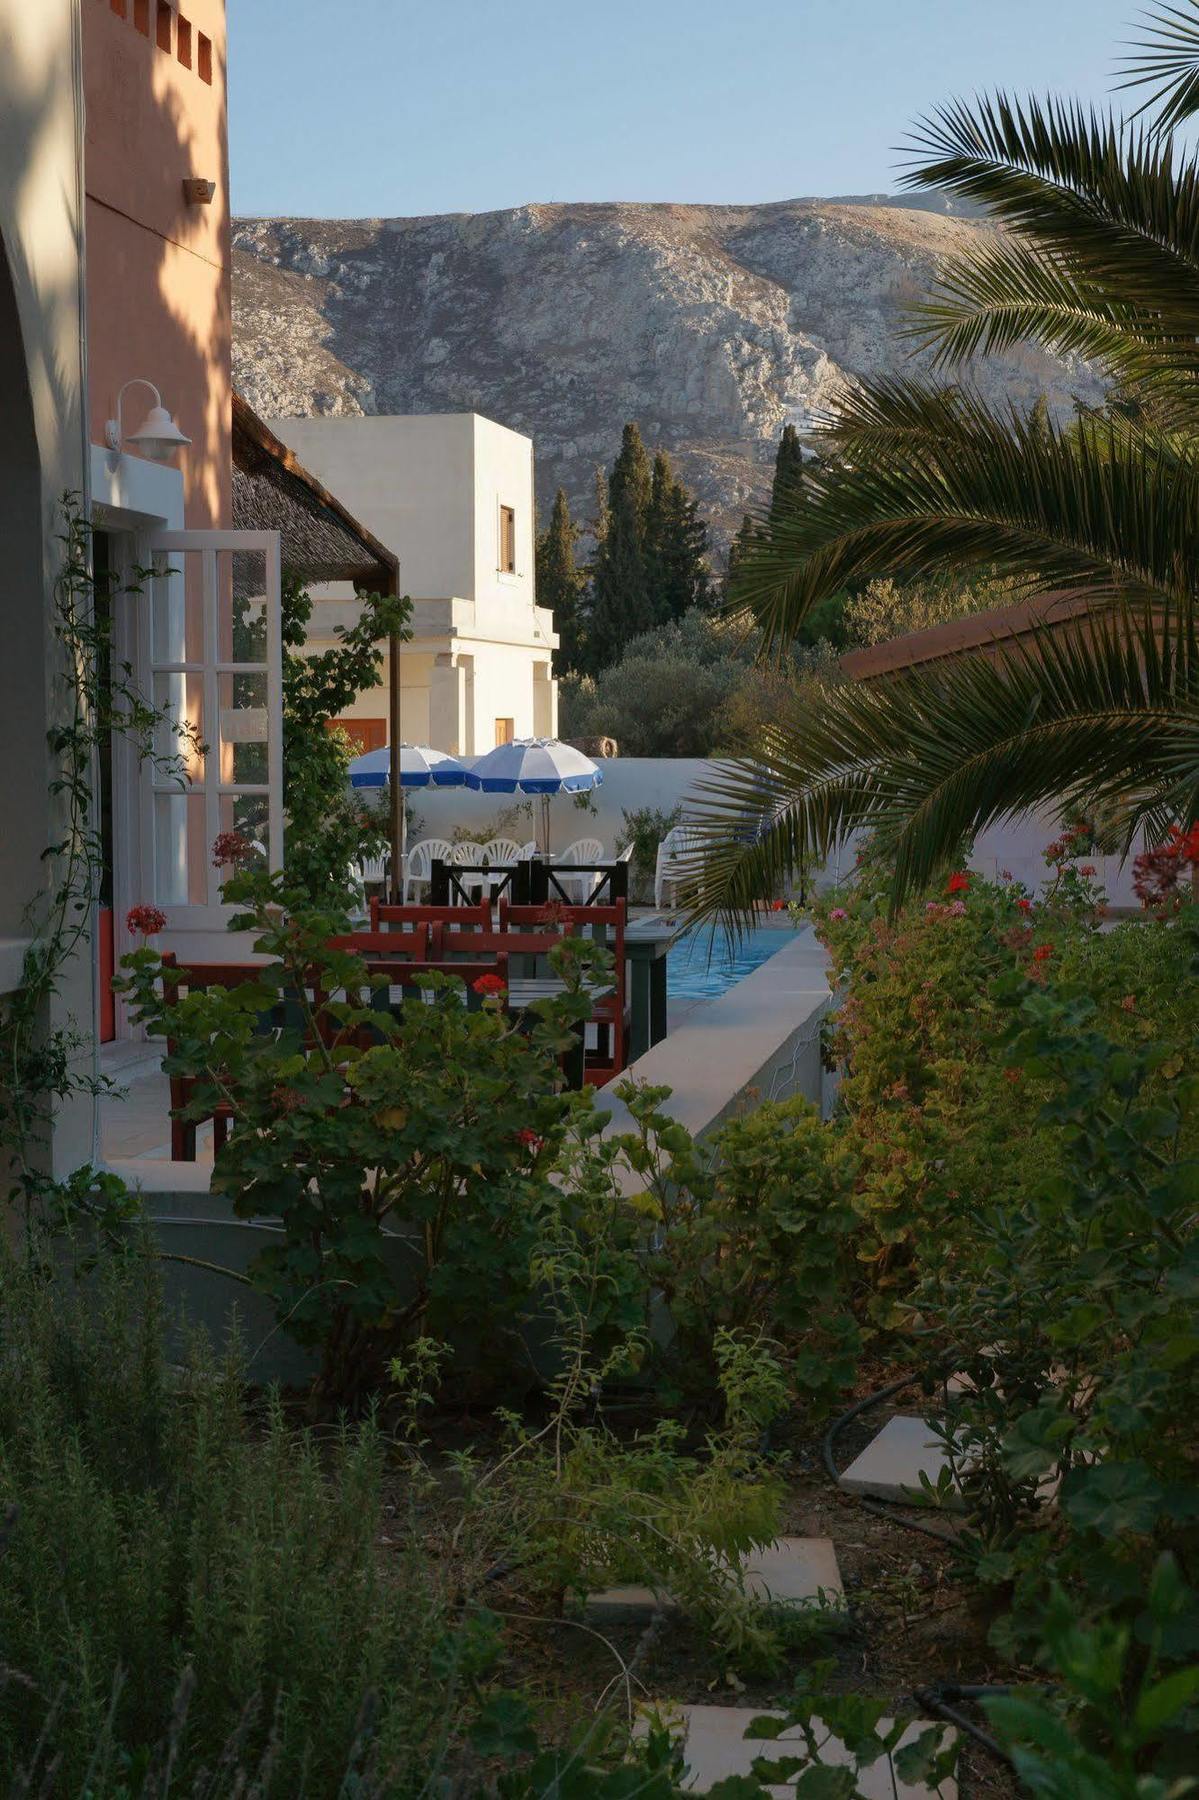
1110,199
1105,710
931,479
1011,292
1167,60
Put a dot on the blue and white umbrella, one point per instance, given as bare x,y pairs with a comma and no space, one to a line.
541,766
420,766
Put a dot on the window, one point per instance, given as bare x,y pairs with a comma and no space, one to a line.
164,17
183,43
204,58
141,16
118,7
507,540
505,731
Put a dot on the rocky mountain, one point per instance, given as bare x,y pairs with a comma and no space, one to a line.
711,325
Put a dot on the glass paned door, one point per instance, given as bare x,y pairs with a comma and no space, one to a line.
210,643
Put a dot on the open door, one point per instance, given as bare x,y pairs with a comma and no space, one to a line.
209,649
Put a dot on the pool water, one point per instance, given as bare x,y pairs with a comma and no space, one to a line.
701,966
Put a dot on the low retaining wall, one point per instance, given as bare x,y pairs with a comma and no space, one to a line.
758,1041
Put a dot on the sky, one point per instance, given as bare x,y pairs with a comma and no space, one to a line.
368,108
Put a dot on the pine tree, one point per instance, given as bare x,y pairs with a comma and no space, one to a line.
560,582
788,471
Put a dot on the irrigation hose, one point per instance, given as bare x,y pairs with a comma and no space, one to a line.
935,1698
880,1509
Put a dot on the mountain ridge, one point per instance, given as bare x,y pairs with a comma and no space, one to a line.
711,325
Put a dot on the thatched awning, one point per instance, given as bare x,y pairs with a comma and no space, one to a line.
319,539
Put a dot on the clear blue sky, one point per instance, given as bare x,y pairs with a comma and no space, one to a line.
360,108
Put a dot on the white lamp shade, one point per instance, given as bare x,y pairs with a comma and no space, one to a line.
159,436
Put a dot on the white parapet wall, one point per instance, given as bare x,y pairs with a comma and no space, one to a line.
760,1040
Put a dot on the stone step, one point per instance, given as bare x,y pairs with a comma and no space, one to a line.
791,1571
890,1466
715,1747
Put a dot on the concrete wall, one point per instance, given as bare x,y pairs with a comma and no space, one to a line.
409,480
665,782
431,486
158,267
41,456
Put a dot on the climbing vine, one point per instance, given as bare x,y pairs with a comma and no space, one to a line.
94,697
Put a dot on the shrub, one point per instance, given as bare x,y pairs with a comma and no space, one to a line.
644,828
409,1160
183,1579
752,1233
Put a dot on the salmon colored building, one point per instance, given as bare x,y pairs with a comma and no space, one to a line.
156,178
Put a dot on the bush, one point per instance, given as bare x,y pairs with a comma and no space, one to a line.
692,688
182,1579
752,1233
644,828
409,1160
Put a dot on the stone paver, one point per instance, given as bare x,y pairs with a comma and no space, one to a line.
790,1571
890,1466
715,1747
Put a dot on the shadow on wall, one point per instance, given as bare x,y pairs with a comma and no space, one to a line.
41,449
158,280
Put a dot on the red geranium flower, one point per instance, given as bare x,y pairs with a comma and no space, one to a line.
145,919
1025,905
958,883
489,984
229,847
777,905
529,1139
1042,952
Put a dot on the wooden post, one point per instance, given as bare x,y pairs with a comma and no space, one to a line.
397,786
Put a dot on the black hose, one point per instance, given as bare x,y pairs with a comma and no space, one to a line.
881,1509
933,1700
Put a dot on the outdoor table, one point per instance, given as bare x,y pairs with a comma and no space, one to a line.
524,990
646,942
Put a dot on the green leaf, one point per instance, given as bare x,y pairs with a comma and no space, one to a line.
1165,1700
1113,1498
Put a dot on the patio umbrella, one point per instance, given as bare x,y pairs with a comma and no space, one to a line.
420,766
541,766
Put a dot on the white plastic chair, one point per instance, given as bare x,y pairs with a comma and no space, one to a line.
418,864
373,869
528,851
583,850
469,855
678,844
501,850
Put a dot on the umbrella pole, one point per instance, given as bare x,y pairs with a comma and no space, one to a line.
545,826
396,833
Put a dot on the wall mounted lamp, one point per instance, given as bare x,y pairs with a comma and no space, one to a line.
159,436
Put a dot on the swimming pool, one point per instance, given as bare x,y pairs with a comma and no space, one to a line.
700,966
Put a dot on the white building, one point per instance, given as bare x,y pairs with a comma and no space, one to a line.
452,495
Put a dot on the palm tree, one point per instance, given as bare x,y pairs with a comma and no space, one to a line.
1100,257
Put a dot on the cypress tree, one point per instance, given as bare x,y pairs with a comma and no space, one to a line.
631,475
619,596
559,582
747,538
603,512
676,547
788,471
